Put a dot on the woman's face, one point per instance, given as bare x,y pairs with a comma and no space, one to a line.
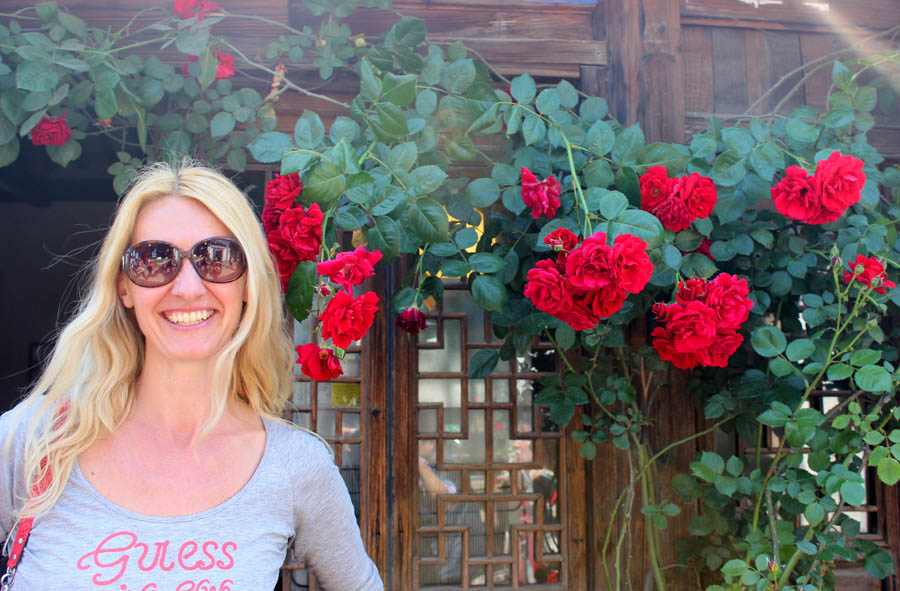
188,319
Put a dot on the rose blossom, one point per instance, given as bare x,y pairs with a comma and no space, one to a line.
561,239
726,343
693,326
282,191
51,131
633,268
664,343
350,268
542,197
603,302
185,9
286,258
547,289
580,315
318,363
225,67
690,290
727,295
838,181
795,198
346,319
869,270
591,265
411,320
270,217
302,228
677,202
660,311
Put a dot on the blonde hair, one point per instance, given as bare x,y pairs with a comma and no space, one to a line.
98,355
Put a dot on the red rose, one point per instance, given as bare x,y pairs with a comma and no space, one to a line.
350,268
660,311
633,268
411,320
795,198
591,265
184,9
302,228
698,193
664,343
693,326
727,296
869,270
270,217
677,202
547,289
561,239
318,363
580,315
346,319
282,191
838,181
690,290
655,187
542,197
286,258
51,131
225,67
726,343
603,302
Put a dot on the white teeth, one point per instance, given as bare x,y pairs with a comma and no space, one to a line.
188,318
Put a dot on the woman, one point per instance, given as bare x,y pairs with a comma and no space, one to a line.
154,430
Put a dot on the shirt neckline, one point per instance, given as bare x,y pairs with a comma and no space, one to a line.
80,479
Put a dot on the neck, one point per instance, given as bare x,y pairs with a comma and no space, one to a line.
176,399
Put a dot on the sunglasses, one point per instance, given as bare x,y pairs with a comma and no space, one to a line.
154,263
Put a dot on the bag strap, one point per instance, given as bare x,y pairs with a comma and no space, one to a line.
23,531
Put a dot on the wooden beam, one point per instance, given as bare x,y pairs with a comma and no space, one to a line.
662,83
623,36
794,14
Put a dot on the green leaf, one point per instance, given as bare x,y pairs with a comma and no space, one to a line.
297,160
600,138
801,131
523,89
426,102
593,109
548,101
587,450
862,357
299,297
729,169
734,568
889,471
426,179
814,513
482,192
838,117
399,90
270,146
458,76
839,371
841,75
73,24
343,128
637,223
309,131
853,493
568,96
9,152
766,159
485,262
490,294
533,129
36,76
565,337
613,204
768,341
627,145
193,41
738,140
873,378
879,564
800,349
483,363
237,159
221,125
65,153
780,367
408,32
324,183
708,467
686,488
370,85
428,220
389,122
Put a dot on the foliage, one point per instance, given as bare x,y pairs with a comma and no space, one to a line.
383,171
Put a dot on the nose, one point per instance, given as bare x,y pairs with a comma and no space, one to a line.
187,284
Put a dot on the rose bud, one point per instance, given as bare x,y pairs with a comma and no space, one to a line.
411,320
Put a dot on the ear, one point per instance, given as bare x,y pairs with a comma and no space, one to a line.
125,292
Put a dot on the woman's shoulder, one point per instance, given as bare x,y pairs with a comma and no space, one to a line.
296,444
17,420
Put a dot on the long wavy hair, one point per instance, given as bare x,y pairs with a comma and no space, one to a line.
86,390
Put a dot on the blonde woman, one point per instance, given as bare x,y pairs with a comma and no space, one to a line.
149,455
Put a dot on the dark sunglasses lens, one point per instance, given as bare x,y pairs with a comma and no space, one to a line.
219,260
150,264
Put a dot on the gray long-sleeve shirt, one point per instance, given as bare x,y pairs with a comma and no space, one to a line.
296,495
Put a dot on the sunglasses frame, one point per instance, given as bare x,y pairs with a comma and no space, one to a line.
181,255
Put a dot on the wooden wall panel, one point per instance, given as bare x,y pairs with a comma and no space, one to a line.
729,70
783,57
846,15
697,64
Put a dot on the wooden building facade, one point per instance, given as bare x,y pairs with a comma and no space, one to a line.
511,504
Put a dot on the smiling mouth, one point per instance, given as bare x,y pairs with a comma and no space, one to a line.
188,318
